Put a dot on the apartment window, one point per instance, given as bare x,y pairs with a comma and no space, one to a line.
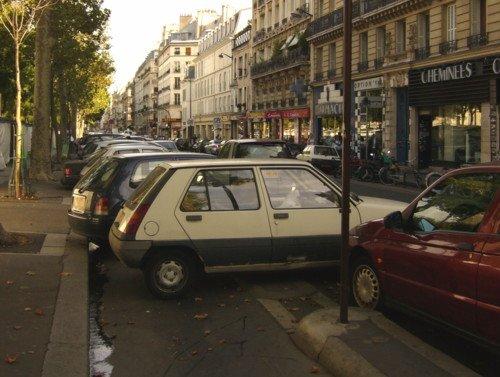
477,17
451,22
380,35
332,58
188,51
363,47
177,99
423,30
177,83
177,67
400,37
177,51
319,60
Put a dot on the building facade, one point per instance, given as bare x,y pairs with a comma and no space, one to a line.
280,70
242,83
425,78
145,96
212,93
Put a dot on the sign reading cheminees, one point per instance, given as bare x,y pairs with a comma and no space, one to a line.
459,82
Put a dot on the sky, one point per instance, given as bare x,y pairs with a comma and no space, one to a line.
135,28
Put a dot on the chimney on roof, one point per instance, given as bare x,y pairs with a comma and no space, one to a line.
184,21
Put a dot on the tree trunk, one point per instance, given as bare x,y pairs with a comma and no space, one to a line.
41,145
73,115
64,109
18,179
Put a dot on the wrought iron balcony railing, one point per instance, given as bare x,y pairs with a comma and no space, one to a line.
477,40
447,47
362,66
318,76
378,63
283,61
422,53
326,22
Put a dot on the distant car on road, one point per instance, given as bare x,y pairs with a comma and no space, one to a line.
323,157
98,197
255,148
232,215
168,145
440,257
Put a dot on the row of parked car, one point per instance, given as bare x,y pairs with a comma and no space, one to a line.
175,215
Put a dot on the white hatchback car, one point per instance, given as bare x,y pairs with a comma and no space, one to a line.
233,215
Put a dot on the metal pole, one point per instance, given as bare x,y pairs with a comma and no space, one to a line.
346,159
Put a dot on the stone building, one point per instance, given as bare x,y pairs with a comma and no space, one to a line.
212,95
425,78
145,96
242,83
280,70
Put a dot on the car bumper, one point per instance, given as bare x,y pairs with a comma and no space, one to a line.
96,228
130,252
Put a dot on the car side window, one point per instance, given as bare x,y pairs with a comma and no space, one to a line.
224,152
457,204
298,188
222,190
143,169
126,151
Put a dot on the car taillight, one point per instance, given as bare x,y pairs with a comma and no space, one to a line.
102,206
136,219
68,172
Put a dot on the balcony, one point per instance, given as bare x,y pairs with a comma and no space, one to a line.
363,66
291,101
324,23
318,76
276,25
292,58
331,73
422,53
259,35
378,63
284,21
477,40
283,103
447,47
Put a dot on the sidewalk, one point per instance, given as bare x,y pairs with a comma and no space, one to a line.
43,288
370,345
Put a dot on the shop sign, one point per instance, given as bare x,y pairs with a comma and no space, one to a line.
369,84
296,113
329,108
225,118
447,73
217,123
273,114
235,117
255,114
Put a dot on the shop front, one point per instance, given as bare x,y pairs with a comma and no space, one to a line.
369,104
328,113
454,112
296,126
257,126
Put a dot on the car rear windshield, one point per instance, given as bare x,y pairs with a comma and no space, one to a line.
151,180
258,150
101,177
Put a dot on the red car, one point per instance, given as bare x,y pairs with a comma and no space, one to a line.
440,257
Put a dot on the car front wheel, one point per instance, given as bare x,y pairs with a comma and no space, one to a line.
365,285
169,275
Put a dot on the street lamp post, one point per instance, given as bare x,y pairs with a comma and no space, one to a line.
346,157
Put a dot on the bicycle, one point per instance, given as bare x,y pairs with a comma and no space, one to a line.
401,174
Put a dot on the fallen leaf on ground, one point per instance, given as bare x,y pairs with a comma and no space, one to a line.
16,327
10,359
210,349
66,274
198,299
30,273
9,282
39,312
201,316
221,305
130,323
31,352
315,369
194,353
294,309
207,332
222,341
27,309
303,298
248,301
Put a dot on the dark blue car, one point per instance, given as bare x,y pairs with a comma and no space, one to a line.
98,197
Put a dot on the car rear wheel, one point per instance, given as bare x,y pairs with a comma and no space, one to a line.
169,275
365,285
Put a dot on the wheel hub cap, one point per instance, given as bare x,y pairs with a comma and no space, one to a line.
170,274
366,287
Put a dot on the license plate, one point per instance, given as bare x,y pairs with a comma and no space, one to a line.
78,204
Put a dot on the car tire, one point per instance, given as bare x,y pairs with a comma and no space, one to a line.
366,291
170,275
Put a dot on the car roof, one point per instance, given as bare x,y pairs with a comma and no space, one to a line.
487,167
236,162
132,145
263,141
130,156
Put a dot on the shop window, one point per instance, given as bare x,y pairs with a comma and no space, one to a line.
477,17
456,134
400,37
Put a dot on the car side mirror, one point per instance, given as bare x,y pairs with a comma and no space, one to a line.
394,220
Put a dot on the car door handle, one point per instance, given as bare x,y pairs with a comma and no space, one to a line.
194,218
465,246
281,216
